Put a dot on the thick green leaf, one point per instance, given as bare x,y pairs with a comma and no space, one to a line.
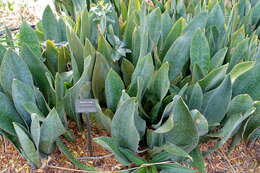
166,126
8,110
214,78
75,92
111,145
72,159
248,83
131,156
200,52
161,83
230,126
178,54
154,25
2,52
113,89
36,66
27,145
100,72
144,69
253,122
102,119
198,161
201,122
184,133
219,57
35,130
77,49
241,68
174,168
124,131
195,99
51,129
50,25
127,69
51,54
216,18
13,67
173,34
215,104
22,94
239,54
175,150
29,37
240,104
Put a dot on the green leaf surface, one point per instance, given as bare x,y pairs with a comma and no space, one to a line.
113,89
219,57
35,130
110,144
215,104
214,78
51,129
27,145
29,37
195,99
201,122
240,69
100,72
248,83
161,83
184,133
198,161
126,134
22,94
200,52
13,67
36,66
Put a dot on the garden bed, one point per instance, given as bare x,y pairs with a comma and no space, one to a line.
243,159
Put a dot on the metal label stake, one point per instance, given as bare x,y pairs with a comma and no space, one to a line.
86,106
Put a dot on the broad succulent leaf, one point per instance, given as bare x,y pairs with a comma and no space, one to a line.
253,122
29,37
201,122
200,52
35,130
241,68
214,78
219,57
160,83
22,93
113,88
36,67
126,134
144,69
13,67
28,146
184,133
100,72
51,129
248,83
74,93
195,99
111,145
215,104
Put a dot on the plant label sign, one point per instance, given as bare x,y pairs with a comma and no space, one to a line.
86,105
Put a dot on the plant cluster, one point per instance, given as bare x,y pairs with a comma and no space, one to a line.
167,75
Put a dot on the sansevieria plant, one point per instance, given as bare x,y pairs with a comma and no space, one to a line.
167,75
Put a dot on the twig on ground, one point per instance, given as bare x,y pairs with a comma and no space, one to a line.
226,158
